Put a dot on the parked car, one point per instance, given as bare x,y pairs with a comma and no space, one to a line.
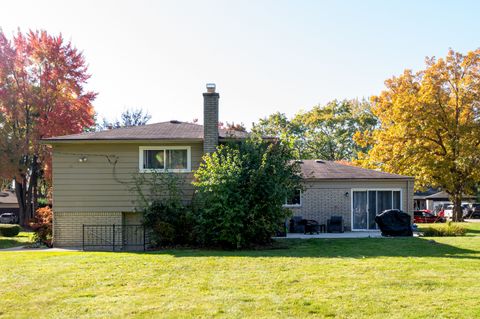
439,210
8,218
448,212
465,209
474,211
426,216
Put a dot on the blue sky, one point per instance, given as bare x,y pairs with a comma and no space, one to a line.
264,56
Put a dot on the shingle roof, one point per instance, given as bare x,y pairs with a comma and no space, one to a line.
444,196
172,130
316,169
426,193
8,197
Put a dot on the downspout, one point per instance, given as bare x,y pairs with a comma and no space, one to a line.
408,191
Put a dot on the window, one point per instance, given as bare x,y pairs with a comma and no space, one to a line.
295,199
164,159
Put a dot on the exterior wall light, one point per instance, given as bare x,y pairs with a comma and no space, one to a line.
346,194
82,159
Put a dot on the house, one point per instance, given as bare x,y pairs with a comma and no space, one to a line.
8,202
420,198
92,171
357,194
435,199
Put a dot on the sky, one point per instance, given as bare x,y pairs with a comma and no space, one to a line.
264,56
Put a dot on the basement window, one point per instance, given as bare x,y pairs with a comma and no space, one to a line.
176,159
295,200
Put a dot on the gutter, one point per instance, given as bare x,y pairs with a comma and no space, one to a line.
117,141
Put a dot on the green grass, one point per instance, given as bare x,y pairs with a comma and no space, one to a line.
342,278
24,238
473,229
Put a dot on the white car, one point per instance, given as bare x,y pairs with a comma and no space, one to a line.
448,212
8,218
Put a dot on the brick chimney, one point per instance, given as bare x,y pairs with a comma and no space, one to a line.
210,119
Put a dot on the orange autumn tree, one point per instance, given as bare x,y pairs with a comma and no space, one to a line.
430,126
42,94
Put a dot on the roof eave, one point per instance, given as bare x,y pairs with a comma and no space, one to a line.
118,140
403,178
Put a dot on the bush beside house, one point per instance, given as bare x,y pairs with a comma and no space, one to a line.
42,225
241,190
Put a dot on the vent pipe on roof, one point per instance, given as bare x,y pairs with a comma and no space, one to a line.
210,119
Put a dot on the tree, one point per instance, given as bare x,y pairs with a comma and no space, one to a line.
430,125
241,189
289,133
325,132
129,117
239,127
329,130
42,94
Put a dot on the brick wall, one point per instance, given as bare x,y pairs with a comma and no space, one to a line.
322,199
67,227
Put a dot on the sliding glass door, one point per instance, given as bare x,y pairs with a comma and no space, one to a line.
359,220
368,203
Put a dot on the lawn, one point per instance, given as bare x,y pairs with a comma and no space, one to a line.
343,278
473,229
23,238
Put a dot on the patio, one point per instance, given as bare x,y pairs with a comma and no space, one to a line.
350,234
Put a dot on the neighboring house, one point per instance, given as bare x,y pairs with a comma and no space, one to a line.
435,199
8,202
91,172
419,198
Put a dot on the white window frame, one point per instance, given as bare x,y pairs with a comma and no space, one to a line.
141,149
368,203
295,205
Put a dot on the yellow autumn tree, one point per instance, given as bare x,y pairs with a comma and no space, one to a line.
430,126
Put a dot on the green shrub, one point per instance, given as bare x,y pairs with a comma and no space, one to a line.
159,198
43,202
241,189
170,224
8,230
163,234
448,230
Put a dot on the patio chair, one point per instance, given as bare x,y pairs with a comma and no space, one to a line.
311,226
335,224
295,225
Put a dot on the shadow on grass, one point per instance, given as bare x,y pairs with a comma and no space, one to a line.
339,248
473,231
8,242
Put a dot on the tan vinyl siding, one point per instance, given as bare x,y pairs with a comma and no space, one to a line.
95,186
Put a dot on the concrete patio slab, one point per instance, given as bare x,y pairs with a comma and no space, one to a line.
26,249
359,234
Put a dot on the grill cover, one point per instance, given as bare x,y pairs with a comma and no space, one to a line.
394,222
